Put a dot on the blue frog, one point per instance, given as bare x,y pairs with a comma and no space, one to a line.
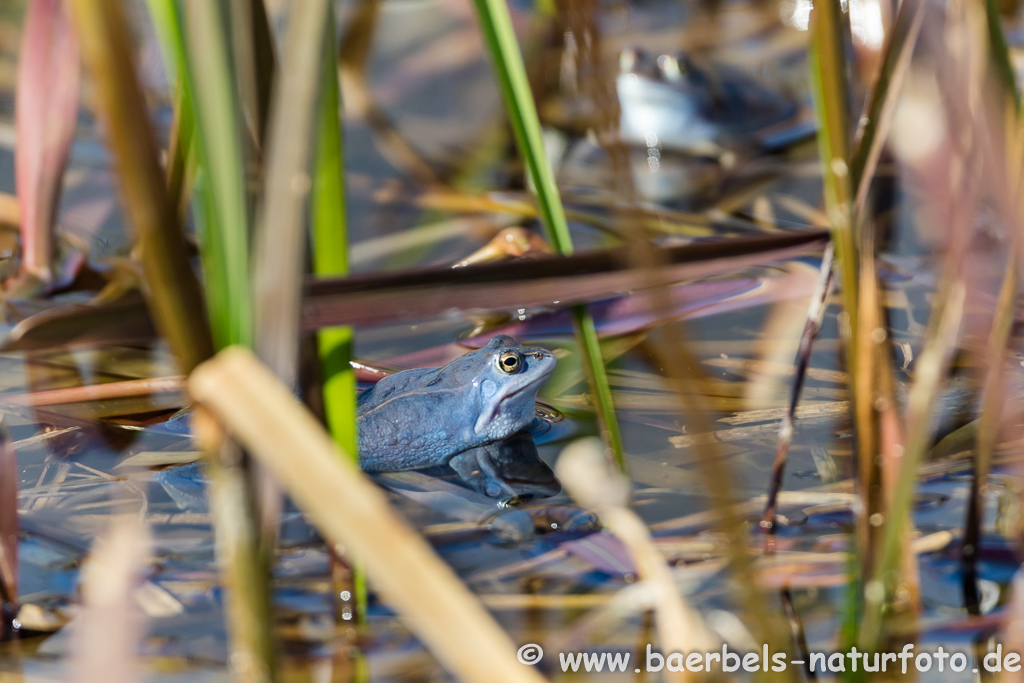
471,415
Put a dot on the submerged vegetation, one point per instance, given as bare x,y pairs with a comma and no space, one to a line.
773,248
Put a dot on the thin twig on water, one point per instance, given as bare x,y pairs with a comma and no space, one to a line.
815,314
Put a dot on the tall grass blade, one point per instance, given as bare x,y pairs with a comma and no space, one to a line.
815,315
597,378
828,81
330,258
1000,51
200,63
226,223
181,165
991,409
496,25
874,123
245,560
281,236
46,109
330,251
181,161
830,101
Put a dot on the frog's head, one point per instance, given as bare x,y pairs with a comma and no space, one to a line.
505,379
664,100
674,69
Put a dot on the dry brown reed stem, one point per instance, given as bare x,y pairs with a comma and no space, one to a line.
373,298
281,231
876,121
875,380
355,517
173,290
828,79
932,367
97,392
951,175
584,471
176,302
108,629
253,50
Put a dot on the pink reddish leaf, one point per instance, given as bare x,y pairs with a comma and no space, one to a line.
46,107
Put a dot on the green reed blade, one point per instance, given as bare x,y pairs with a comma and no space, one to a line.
180,170
496,25
330,257
225,241
597,376
201,62
330,252
881,103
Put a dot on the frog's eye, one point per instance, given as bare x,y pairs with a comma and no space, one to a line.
510,362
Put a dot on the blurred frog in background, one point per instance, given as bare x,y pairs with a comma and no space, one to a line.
685,123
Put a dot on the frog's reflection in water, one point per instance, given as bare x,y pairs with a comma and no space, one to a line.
510,468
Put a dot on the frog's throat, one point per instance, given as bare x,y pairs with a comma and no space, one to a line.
488,415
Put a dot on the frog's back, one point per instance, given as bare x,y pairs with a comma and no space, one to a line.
398,383
410,420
